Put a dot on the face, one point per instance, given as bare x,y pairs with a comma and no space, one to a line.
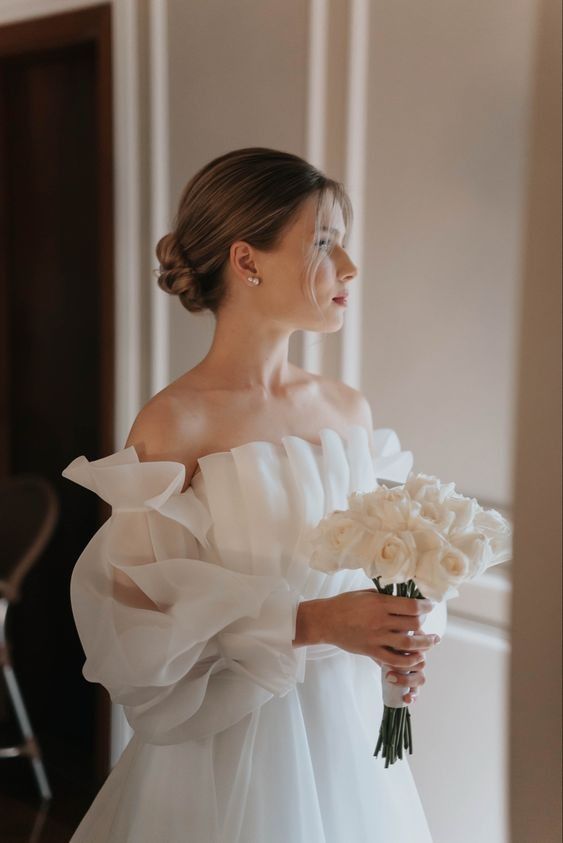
283,294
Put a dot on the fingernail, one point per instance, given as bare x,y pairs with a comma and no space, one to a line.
437,639
391,678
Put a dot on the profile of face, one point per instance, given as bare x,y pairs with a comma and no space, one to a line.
283,297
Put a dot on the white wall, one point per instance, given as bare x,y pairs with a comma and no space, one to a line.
448,110
237,74
449,101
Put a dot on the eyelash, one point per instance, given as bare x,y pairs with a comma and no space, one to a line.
344,246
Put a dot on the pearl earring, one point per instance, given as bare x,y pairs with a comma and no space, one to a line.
254,280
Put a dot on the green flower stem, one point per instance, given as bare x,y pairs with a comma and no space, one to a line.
395,731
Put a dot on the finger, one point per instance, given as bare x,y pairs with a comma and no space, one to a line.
411,692
400,641
406,623
402,660
386,655
412,679
407,605
411,695
386,665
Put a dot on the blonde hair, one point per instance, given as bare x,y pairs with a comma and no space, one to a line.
250,194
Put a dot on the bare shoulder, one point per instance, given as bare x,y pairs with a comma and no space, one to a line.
349,403
171,426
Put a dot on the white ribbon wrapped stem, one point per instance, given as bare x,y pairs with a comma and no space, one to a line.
393,694
434,622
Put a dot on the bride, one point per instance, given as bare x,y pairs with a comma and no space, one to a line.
252,682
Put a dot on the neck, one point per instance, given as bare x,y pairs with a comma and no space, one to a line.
248,354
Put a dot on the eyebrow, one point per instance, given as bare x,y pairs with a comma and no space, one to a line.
337,232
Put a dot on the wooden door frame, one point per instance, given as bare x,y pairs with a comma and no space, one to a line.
89,25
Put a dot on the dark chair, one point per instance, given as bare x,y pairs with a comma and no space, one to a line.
30,511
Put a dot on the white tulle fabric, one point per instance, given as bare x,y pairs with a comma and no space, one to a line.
239,737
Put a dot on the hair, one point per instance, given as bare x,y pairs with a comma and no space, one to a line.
250,194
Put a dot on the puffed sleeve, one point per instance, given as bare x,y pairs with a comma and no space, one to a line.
210,644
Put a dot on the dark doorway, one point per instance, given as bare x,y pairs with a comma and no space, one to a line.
56,379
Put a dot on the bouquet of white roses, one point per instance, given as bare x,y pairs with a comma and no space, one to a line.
421,537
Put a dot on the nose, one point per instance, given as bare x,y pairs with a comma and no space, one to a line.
350,271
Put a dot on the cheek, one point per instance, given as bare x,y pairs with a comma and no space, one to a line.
323,287
324,278
286,294
293,287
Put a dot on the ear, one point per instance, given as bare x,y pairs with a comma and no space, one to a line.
243,260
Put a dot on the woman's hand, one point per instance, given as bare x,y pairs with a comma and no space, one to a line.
378,625
412,680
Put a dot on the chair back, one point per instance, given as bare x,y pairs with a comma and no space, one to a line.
29,511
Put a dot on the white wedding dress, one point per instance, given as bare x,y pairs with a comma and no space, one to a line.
239,737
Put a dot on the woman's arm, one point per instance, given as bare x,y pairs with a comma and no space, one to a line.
309,628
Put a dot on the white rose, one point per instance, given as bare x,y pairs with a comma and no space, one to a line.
335,538
499,532
387,509
463,510
389,555
433,499
356,501
477,547
426,488
440,566
435,517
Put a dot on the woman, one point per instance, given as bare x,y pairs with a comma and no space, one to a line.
249,678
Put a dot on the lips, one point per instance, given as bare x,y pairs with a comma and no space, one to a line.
341,299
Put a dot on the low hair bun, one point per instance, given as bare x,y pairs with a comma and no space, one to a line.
175,276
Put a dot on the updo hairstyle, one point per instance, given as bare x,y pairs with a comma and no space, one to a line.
250,194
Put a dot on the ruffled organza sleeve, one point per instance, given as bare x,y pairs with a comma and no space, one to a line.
206,644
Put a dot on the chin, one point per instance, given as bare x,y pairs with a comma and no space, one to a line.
330,326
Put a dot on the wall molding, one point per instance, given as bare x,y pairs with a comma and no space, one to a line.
321,124
160,186
485,601
477,632
354,177
315,144
128,239
128,273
